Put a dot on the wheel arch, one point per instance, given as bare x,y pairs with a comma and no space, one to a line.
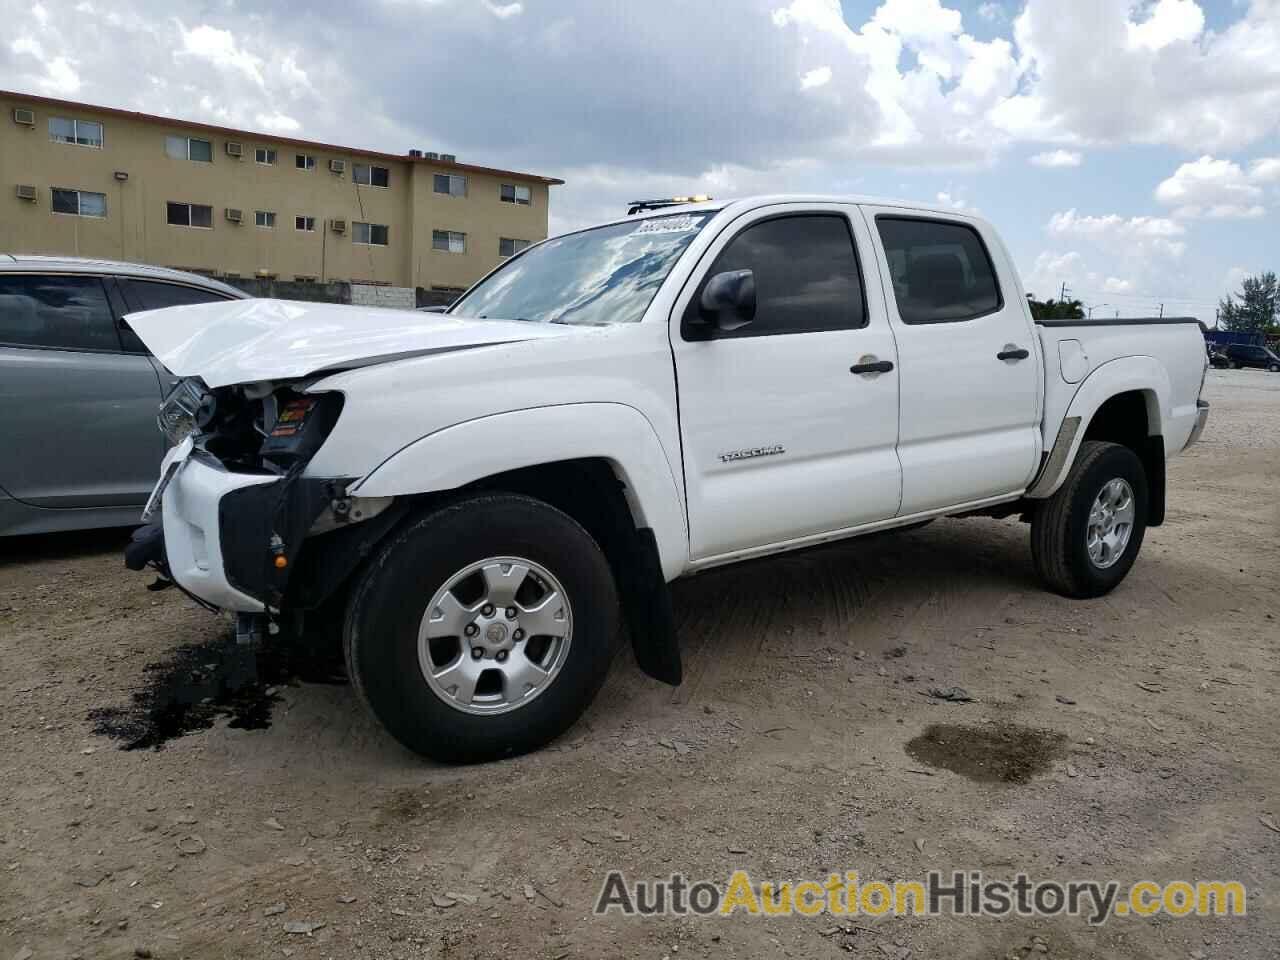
1122,401
573,440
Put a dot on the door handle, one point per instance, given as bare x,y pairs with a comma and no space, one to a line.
1013,352
871,365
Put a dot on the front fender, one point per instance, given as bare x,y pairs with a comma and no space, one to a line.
1142,374
466,452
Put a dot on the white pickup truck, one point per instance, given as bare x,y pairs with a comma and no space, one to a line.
483,498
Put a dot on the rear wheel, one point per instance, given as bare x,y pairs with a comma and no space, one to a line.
1086,536
483,629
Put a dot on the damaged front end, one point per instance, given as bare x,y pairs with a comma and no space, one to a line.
243,527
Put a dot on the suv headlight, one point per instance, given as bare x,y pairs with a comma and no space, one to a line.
178,410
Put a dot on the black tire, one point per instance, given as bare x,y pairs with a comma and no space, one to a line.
1059,525
388,603
1274,368
1232,365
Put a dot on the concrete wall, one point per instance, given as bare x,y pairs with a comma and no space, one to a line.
136,228
338,291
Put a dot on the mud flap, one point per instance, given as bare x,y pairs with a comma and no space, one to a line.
646,600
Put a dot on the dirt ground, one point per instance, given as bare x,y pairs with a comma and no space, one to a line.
784,752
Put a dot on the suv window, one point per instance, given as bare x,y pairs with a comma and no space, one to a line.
806,273
66,312
941,271
153,295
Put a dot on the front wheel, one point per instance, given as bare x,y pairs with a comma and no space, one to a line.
1086,536
1274,368
483,629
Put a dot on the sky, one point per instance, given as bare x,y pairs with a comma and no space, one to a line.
1127,148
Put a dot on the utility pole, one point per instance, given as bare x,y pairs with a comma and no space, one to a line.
1162,311
1062,297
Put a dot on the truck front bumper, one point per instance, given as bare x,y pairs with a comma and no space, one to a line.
192,512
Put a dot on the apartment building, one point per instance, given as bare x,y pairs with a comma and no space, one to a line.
99,182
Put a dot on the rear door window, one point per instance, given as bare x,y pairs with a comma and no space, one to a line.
56,312
155,295
941,270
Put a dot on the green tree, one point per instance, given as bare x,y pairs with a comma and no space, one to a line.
1055,309
1258,307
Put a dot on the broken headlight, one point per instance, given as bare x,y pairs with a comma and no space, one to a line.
178,410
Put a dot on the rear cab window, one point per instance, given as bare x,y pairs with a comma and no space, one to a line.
53,311
941,270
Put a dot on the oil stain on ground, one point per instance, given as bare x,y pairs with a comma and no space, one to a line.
994,753
201,683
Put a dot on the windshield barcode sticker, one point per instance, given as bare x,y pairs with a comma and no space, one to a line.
680,224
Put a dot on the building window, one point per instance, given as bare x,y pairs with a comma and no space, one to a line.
189,148
265,218
507,247
264,155
190,215
510,193
84,133
81,203
370,233
304,161
453,186
449,240
301,279
370,175
306,224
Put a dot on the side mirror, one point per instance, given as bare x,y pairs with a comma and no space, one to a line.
728,300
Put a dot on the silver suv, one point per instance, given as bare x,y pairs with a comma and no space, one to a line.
78,390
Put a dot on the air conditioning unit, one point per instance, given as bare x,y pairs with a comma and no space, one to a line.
338,226
234,215
26,192
235,149
432,155
449,157
25,117
337,166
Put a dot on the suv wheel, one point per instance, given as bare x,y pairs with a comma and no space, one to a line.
1086,536
483,629
1274,368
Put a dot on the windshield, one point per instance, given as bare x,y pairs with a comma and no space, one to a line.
603,275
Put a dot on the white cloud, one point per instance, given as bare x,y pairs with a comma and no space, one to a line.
505,11
1114,225
277,123
946,199
1098,75
1116,285
1170,21
1053,159
1265,170
817,77
220,48
1218,189
991,12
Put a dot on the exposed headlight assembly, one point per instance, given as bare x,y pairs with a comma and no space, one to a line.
179,410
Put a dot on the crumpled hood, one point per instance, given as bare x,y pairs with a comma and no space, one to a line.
242,341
